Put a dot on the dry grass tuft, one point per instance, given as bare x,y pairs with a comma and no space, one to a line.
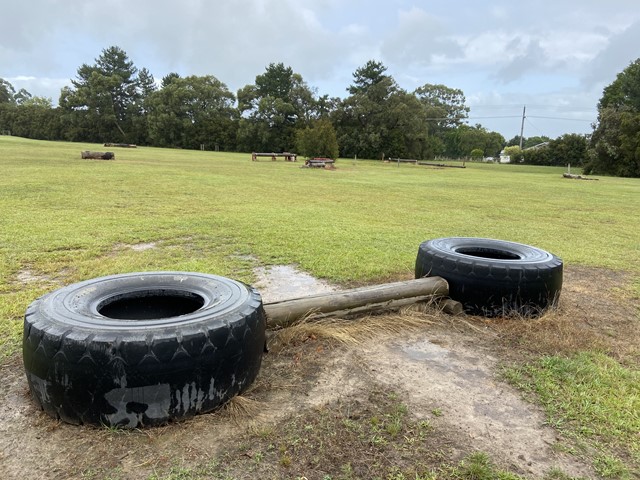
242,409
555,332
359,330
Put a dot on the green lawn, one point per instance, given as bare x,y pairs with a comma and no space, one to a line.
64,219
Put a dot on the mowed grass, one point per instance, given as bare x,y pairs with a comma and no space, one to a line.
594,400
64,219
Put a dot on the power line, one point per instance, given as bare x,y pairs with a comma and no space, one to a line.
538,105
471,118
560,118
529,122
493,117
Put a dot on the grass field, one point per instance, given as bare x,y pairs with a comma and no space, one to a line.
63,219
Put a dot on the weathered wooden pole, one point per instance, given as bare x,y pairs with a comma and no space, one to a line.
358,300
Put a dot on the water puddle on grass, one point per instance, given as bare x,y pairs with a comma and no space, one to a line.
282,282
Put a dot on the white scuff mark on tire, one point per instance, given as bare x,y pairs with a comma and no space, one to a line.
154,402
39,385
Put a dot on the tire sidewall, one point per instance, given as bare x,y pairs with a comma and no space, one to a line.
498,278
86,368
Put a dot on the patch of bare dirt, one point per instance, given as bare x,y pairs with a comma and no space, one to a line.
136,247
446,374
30,277
281,282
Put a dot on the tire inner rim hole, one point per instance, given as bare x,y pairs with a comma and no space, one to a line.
150,304
488,253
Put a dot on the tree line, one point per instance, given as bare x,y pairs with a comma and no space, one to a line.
114,101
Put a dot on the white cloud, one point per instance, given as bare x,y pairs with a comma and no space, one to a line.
418,38
560,51
614,57
40,86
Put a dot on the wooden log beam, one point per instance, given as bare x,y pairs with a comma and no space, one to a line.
358,300
450,306
443,165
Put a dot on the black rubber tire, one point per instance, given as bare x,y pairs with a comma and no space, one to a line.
493,277
142,349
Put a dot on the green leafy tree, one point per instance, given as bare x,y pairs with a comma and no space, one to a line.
318,140
272,109
7,92
105,98
325,106
37,119
379,118
192,111
615,142
444,106
168,78
361,118
535,141
528,142
146,83
624,91
477,154
462,140
372,81
514,152
570,148
27,116
537,156
444,110
22,96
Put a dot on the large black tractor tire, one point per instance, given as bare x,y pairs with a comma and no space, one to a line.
142,349
493,277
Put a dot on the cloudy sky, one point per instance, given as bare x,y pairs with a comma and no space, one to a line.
554,56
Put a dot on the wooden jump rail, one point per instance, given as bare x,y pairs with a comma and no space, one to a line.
363,300
289,157
418,162
122,145
403,160
429,164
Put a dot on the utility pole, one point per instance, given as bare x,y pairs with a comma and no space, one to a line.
524,109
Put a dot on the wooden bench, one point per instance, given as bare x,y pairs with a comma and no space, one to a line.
289,157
